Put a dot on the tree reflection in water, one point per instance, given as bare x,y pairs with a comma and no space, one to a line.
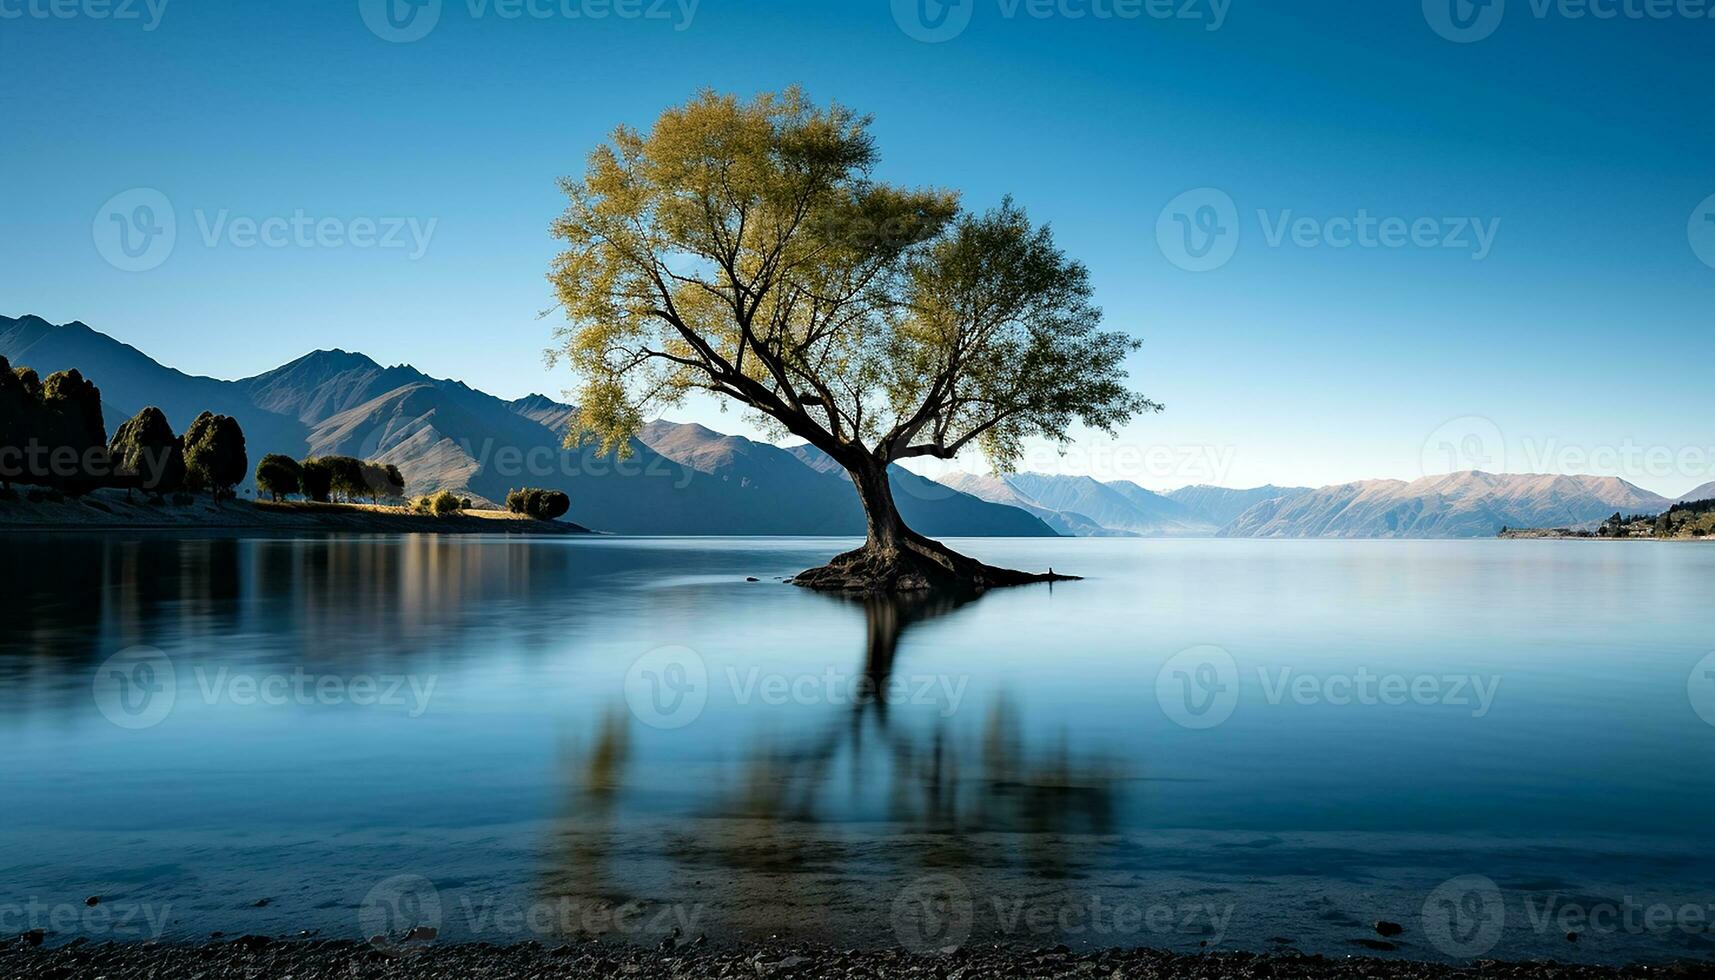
780,852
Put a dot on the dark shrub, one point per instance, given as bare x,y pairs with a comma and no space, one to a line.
544,505
443,503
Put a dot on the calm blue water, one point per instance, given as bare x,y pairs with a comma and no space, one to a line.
1244,744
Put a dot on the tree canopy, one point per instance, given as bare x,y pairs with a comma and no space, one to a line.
147,454
279,476
215,458
744,248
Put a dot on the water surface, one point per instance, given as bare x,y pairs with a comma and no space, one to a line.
1243,744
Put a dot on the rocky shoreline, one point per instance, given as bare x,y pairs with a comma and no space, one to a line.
262,958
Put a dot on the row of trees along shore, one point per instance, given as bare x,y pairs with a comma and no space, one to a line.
52,435
329,478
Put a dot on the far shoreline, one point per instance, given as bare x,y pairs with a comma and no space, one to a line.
110,510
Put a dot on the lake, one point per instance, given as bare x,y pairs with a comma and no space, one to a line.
1243,744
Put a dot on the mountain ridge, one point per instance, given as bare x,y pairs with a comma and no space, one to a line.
443,434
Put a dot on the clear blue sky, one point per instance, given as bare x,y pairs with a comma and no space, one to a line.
1587,326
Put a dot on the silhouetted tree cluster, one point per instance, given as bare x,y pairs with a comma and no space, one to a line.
53,434
327,478
544,505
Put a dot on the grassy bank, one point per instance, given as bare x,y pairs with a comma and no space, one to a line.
113,510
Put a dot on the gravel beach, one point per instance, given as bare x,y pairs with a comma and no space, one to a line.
260,958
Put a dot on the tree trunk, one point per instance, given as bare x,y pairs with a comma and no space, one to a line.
896,559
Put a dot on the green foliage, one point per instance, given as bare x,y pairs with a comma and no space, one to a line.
51,433
350,478
215,458
438,504
146,454
744,249
544,505
279,476
391,482
73,404
316,479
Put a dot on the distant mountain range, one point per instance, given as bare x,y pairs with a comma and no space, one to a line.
447,435
1086,507
1458,505
688,479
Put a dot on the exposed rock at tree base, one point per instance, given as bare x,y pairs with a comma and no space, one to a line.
920,565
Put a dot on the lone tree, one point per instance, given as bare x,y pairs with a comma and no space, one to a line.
743,248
